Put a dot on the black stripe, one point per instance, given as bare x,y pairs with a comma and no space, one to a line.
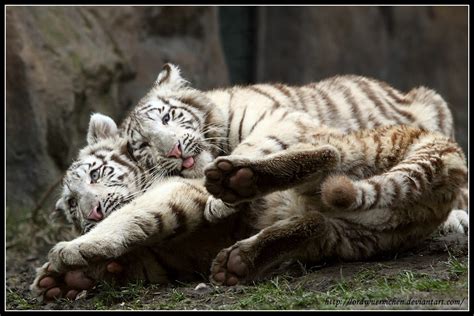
299,92
193,103
180,216
229,122
354,107
282,144
379,149
257,121
241,123
317,108
377,189
259,91
371,95
286,91
145,108
391,95
189,111
392,92
123,162
330,105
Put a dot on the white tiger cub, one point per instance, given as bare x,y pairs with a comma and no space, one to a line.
102,178
196,138
177,126
163,230
181,130
108,197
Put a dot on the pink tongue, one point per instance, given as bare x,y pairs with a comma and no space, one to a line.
95,215
188,162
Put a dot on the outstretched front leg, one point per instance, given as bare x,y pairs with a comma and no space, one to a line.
159,213
235,179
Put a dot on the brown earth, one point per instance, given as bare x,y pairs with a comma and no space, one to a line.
429,259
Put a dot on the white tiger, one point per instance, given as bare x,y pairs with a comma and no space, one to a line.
177,130
162,234
181,130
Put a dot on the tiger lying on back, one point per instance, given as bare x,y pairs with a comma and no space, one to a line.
338,222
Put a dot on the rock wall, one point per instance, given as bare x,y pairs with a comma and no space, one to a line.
406,46
65,62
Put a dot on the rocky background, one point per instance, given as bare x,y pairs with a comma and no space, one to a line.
65,62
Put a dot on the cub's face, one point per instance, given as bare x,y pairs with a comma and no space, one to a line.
103,177
167,131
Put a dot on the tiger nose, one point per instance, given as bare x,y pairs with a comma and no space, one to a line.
175,151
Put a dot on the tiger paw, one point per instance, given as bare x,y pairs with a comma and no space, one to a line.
457,222
231,179
49,285
230,267
71,254
215,209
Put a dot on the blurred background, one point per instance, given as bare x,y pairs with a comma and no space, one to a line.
63,63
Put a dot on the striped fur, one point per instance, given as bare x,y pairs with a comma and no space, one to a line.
103,177
207,124
291,218
349,196
300,223
387,167
258,120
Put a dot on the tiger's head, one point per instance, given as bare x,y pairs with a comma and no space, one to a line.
173,128
102,178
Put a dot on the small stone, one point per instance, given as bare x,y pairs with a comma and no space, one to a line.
81,295
201,287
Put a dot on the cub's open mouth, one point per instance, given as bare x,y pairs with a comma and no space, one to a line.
96,213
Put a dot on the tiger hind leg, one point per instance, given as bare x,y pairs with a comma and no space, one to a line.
309,238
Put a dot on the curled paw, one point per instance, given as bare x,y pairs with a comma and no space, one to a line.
216,209
231,179
67,254
457,222
230,267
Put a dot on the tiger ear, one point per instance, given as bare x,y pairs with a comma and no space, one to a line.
60,214
100,127
170,76
59,207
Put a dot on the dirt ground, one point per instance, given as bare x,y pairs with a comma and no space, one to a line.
432,276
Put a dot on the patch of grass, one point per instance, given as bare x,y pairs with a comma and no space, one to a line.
365,288
177,296
276,294
109,294
17,301
456,266
370,287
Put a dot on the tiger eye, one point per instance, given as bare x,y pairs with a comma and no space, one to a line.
95,175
